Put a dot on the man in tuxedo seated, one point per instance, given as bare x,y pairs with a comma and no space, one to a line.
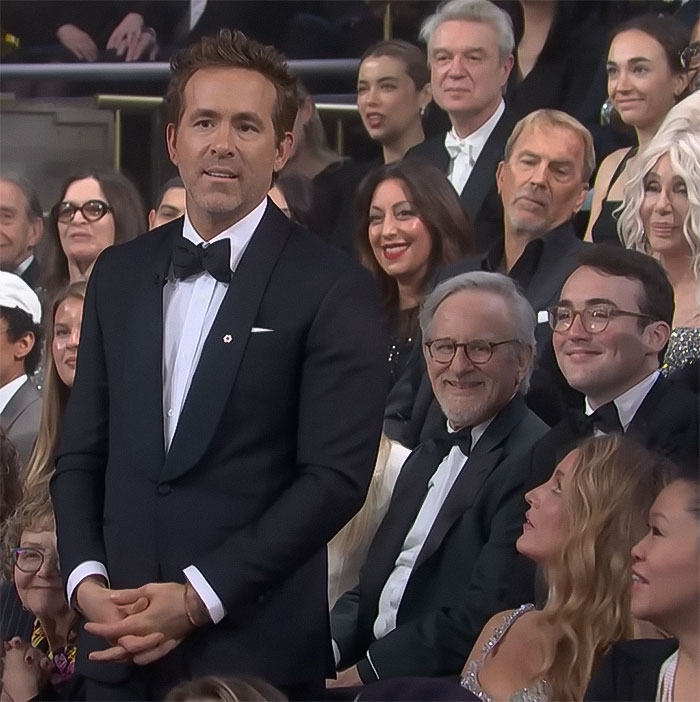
171,203
542,182
611,326
21,227
20,352
470,53
443,559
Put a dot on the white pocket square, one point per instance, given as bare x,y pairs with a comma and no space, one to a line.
542,317
254,330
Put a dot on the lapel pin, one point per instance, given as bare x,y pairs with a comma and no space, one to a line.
227,338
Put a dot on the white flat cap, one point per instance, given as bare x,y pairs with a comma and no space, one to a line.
14,292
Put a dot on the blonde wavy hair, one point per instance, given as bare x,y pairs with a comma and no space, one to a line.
613,484
683,150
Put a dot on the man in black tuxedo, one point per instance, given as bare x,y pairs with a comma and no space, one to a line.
542,182
226,411
611,326
21,228
470,53
443,559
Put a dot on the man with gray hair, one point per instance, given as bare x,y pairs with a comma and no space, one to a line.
443,559
470,53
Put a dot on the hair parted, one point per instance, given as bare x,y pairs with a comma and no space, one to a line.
523,317
232,49
472,11
613,484
20,323
409,54
436,204
556,119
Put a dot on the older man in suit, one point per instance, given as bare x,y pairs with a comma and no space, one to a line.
443,559
470,52
226,411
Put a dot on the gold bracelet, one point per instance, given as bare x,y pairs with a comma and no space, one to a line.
188,614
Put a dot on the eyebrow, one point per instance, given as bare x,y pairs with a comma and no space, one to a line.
658,515
591,301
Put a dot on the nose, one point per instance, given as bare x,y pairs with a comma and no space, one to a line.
639,549
388,225
577,330
538,175
663,202
621,82
49,568
370,96
78,216
461,363
531,496
74,338
456,66
223,141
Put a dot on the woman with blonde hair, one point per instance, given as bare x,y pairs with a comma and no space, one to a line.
62,338
579,529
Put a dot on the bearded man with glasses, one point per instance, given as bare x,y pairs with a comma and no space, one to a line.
610,329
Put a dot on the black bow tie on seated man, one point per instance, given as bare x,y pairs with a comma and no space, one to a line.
188,259
605,419
443,443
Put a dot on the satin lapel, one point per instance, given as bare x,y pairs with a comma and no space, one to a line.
483,460
649,417
143,365
224,347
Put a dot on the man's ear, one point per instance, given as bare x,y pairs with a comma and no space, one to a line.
170,141
284,150
499,175
151,219
23,345
656,336
37,232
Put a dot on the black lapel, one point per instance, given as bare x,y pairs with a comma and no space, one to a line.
483,459
650,417
143,365
223,349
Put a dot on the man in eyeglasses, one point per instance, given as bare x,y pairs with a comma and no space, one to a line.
443,561
610,330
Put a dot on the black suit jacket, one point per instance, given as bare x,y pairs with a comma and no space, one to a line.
468,568
479,197
667,422
272,454
630,671
31,275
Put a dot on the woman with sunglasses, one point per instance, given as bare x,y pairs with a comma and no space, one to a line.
96,209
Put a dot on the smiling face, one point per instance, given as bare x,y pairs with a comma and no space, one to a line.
225,146
399,239
387,99
664,209
606,364
468,393
640,82
66,337
666,570
83,241
19,232
544,531
541,184
467,73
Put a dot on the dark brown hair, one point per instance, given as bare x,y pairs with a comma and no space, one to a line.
409,54
234,50
437,206
218,689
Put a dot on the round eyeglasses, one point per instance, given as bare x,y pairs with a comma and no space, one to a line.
92,210
28,560
690,56
595,319
478,351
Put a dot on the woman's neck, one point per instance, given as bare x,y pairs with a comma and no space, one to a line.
396,149
538,18
677,267
409,296
79,270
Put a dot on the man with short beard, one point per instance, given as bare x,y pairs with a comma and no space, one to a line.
443,559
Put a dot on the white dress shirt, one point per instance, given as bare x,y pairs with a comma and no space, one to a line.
471,146
24,265
7,392
189,309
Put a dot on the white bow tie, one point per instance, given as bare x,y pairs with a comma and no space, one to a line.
456,146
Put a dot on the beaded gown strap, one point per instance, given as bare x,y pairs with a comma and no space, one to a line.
500,630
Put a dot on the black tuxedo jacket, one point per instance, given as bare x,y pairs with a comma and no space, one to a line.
630,671
480,198
468,568
667,422
272,454
31,275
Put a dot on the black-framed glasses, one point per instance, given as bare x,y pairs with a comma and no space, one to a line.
92,210
478,351
29,559
595,319
690,56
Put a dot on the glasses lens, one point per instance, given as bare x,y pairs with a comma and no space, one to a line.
690,58
65,212
443,350
479,351
94,210
28,559
596,318
560,318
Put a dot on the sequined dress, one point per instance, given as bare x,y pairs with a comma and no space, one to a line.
683,349
470,680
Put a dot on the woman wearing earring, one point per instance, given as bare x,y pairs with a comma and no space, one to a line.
645,79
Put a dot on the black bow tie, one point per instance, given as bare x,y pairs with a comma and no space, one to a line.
189,259
461,438
605,419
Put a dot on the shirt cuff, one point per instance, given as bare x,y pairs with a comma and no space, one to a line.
206,593
84,570
366,670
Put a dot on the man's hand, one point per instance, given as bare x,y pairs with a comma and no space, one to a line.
95,602
149,634
348,678
129,38
78,42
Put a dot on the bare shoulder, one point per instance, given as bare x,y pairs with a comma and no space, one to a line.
610,163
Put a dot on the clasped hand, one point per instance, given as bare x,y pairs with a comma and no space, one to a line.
141,624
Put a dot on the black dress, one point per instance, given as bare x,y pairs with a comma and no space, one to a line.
403,337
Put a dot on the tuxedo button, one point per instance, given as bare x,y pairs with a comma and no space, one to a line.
164,489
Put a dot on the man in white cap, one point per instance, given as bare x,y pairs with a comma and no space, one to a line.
20,352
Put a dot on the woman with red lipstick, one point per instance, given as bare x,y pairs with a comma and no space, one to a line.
665,592
645,79
60,354
408,225
579,529
661,217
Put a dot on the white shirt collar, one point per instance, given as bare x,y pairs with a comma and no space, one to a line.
477,431
24,265
8,391
478,138
239,234
629,402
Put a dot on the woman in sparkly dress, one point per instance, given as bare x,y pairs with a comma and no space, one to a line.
409,224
